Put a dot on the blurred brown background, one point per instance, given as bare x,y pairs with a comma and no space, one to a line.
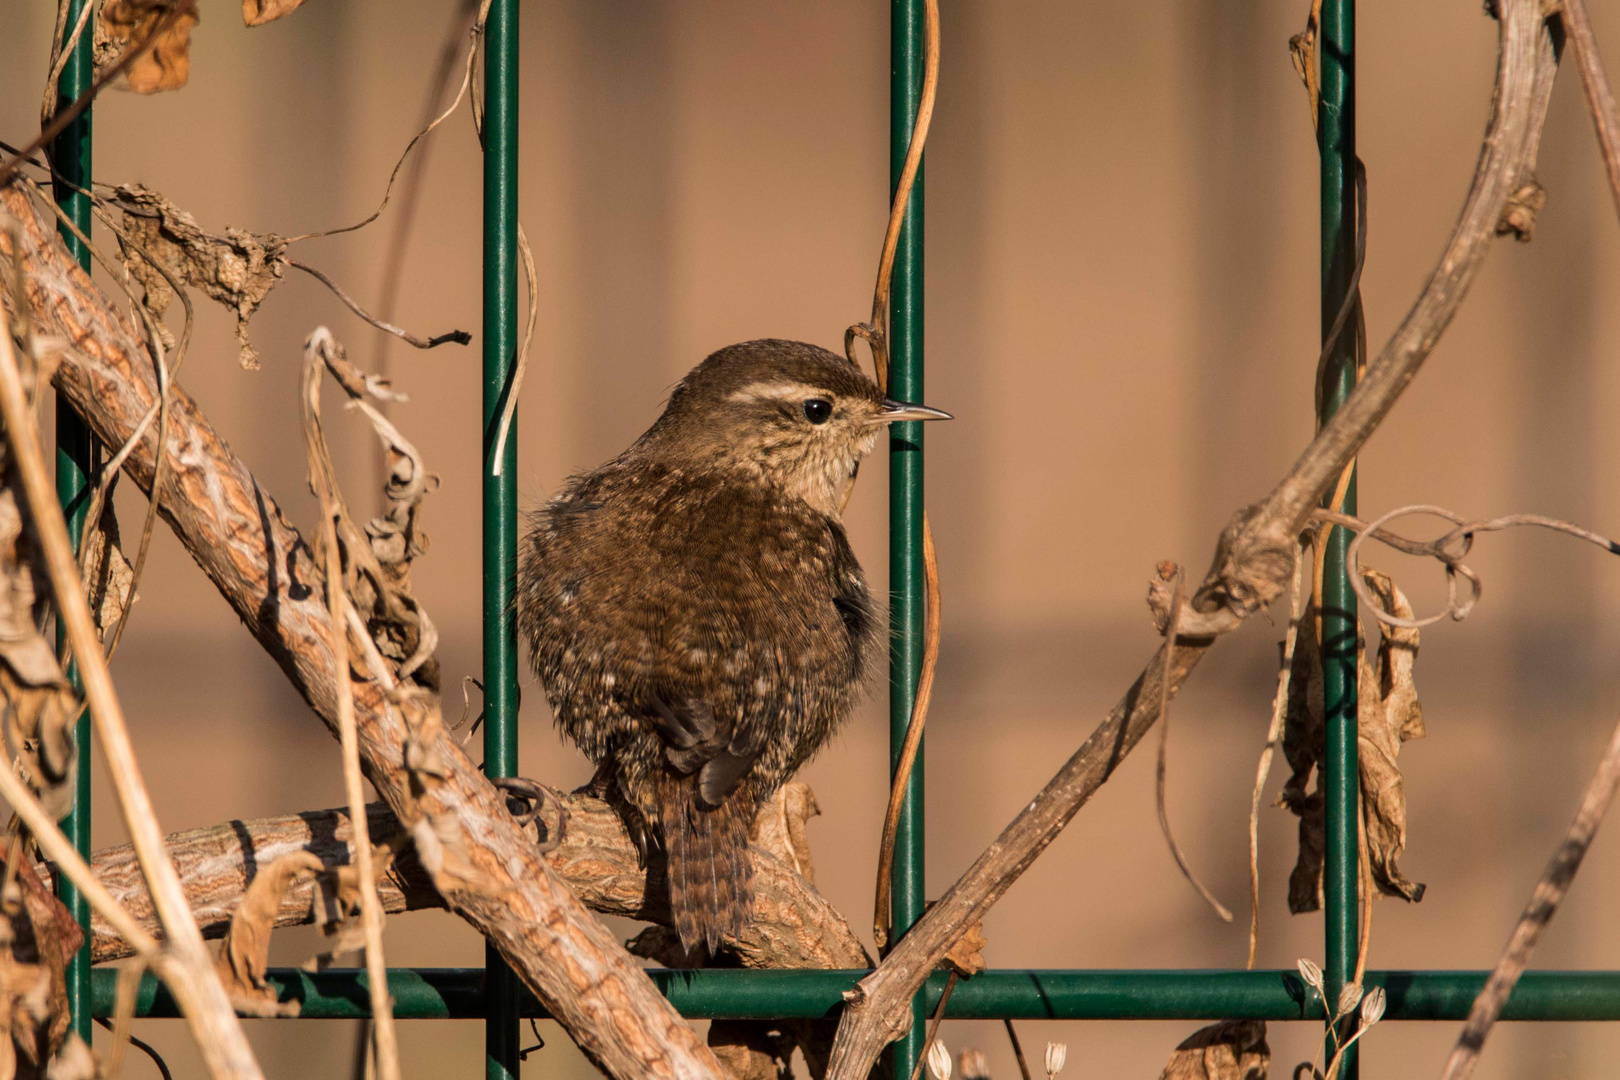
1122,297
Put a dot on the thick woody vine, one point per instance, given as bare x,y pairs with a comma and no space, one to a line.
341,621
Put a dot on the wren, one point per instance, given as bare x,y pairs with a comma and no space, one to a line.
695,612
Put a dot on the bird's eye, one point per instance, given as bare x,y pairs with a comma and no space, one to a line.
818,410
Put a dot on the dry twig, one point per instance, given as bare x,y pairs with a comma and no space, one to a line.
319,351
913,740
792,926
1279,709
394,259
191,976
1544,900
1252,561
263,568
876,331
1172,624
451,337
1448,549
178,9
1599,97
876,335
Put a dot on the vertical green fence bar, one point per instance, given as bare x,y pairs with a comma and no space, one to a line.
500,492
906,28
1337,128
70,157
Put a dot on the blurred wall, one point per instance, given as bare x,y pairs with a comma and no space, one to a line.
1122,296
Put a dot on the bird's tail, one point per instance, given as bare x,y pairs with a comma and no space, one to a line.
710,874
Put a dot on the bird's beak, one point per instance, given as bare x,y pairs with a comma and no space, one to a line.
904,410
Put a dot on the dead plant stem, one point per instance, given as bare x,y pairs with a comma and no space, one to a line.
912,743
213,1022
136,50
1252,561
1279,712
316,350
1599,97
1159,782
1544,900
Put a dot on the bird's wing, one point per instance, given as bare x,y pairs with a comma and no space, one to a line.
695,742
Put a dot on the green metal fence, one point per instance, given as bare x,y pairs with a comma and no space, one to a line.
494,995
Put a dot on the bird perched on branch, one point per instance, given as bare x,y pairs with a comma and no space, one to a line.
695,612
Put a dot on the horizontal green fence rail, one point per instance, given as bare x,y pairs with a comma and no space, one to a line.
457,994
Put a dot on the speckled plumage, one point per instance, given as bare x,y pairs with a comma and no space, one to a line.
695,612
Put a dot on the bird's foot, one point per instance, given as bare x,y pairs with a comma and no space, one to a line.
526,799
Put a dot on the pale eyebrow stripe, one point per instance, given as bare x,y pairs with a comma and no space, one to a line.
777,391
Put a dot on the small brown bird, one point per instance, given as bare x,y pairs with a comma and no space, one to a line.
695,612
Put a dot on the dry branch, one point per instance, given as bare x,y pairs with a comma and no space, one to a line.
1599,97
1538,912
1252,564
792,927
263,568
190,974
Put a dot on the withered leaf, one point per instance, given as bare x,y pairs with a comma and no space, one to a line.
780,827
1389,715
40,937
40,704
238,269
164,66
244,957
1229,1050
336,902
108,578
966,956
22,647
1302,746
259,12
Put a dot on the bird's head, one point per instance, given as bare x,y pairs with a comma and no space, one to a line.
796,415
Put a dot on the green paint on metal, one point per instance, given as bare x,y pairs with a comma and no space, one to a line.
75,449
1336,126
906,588
457,994
500,492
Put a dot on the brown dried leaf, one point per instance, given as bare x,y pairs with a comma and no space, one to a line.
1389,714
166,65
259,12
244,957
238,269
1230,1050
1302,746
966,956
780,827
108,577
336,902
41,706
40,938
22,647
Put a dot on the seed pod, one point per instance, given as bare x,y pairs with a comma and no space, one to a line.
1372,1007
1056,1054
973,1065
